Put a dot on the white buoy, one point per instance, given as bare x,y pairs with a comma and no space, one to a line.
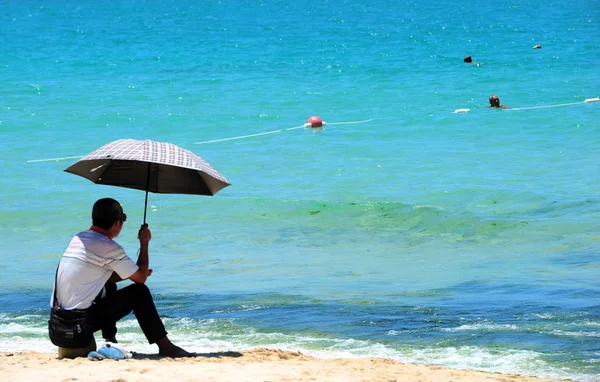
590,100
462,110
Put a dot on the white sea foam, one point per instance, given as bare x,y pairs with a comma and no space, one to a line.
575,333
12,327
482,327
400,332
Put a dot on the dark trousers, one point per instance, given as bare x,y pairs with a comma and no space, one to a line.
104,313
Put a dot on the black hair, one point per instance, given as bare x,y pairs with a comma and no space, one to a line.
106,212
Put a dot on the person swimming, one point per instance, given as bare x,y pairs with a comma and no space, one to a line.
495,102
469,60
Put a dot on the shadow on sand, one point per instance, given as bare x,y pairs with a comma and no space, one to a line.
230,354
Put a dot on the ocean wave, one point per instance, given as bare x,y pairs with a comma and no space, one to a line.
483,327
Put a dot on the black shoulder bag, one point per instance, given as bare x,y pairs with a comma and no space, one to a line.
68,328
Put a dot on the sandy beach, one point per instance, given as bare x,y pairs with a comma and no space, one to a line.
252,365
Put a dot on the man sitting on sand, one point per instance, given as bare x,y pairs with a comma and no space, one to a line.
495,102
91,260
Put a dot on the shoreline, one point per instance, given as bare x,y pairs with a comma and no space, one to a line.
252,365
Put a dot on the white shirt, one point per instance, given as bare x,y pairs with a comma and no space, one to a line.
88,262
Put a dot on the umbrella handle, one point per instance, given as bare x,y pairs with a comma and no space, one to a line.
145,206
147,188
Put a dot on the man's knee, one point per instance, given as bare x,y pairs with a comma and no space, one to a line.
140,289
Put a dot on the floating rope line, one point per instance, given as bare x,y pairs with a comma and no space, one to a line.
222,139
239,137
306,125
53,159
350,123
589,100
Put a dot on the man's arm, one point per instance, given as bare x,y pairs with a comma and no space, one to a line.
140,276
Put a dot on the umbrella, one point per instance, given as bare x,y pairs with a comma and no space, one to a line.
150,166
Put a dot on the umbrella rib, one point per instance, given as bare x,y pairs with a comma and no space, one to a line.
103,167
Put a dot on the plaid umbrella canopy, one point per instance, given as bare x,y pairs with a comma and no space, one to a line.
150,166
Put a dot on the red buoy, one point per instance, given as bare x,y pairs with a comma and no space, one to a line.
315,121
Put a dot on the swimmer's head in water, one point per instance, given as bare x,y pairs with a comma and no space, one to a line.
494,101
468,59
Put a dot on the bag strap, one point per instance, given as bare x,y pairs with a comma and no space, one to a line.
55,301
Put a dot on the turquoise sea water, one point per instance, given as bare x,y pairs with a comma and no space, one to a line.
466,240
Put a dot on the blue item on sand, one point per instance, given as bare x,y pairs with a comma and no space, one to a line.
109,351
94,356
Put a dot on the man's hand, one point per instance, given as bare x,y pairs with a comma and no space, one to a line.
140,276
144,234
